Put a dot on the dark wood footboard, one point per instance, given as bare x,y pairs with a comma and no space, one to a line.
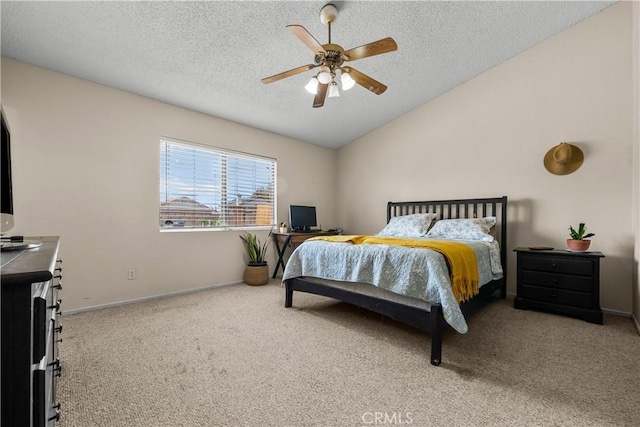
431,321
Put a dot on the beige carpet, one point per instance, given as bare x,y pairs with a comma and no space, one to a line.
235,356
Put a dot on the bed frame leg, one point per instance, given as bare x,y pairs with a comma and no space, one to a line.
288,298
436,334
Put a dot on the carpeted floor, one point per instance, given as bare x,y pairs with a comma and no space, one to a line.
234,356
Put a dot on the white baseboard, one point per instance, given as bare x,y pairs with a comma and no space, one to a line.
617,312
131,301
636,323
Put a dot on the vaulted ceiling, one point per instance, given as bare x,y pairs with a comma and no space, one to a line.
211,56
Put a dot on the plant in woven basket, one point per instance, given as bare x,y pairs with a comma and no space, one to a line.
256,251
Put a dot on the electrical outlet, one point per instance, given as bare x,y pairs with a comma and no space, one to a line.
132,274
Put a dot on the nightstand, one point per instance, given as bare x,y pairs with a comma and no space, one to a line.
559,281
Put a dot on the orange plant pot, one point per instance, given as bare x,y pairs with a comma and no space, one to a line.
578,245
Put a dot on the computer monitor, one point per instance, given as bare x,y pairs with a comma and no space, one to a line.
302,218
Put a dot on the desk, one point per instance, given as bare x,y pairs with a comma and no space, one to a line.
283,240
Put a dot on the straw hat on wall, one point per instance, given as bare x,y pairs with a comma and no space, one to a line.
563,159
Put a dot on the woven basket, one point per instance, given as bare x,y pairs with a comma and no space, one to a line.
256,275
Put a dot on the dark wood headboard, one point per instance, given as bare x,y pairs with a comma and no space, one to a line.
462,208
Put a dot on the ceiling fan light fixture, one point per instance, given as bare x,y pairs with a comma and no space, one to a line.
324,76
312,86
333,90
347,81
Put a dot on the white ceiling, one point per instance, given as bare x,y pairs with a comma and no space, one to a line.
210,56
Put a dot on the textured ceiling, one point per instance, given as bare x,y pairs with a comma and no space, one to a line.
210,56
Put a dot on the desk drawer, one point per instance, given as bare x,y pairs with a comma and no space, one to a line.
558,281
557,296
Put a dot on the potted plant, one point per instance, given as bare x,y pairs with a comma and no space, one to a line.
257,271
578,241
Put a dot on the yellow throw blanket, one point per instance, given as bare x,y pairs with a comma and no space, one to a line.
460,258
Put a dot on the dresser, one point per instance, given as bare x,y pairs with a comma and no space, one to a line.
30,282
559,281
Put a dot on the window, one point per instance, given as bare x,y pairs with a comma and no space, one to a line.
208,188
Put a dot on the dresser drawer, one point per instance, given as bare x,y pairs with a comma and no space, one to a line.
40,321
45,411
557,296
558,281
581,267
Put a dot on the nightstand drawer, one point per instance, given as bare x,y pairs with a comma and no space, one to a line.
558,265
557,296
558,281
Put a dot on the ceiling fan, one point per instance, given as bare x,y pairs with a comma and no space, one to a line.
330,58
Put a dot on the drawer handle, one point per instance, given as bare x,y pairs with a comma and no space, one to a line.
56,417
55,363
57,370
58,286
58,329
56,305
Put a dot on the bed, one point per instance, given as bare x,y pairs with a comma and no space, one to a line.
369,284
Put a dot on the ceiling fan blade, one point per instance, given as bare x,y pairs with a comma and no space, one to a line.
305,37
365,81
371,49
289,73
318,101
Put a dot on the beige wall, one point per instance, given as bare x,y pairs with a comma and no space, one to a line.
85,165
636,160
488,138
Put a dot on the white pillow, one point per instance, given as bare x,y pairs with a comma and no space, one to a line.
463,229
414,225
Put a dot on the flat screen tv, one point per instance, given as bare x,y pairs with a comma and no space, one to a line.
302,218
6,203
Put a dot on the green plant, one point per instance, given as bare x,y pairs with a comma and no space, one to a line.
256,251
579,235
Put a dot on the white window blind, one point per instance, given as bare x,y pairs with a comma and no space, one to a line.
205,187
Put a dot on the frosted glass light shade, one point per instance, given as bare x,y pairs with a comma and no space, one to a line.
324,77
312,86
347,81
333,90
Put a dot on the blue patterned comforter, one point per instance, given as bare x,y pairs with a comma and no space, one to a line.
416,273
